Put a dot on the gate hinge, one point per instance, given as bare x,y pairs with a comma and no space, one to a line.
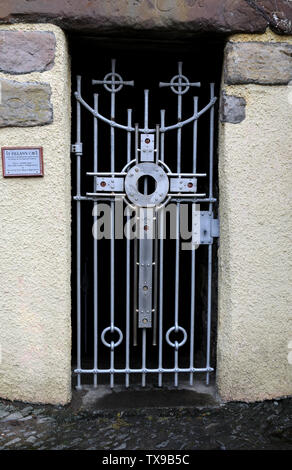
77,148
209,228
215,228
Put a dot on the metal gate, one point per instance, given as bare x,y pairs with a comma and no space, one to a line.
140,182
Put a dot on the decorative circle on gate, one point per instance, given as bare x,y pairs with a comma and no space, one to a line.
112,329
131,184
176,345
113,87
179,84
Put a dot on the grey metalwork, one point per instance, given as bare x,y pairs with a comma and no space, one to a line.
148,253
151,170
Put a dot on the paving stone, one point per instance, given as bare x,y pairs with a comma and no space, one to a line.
25,104
27,418
26,410
26,51
44,420
230,426
258,62
12,417
14,441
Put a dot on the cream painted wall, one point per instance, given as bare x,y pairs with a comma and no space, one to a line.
255,255
255,261
35,305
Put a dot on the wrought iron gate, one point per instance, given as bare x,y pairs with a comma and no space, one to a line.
142,181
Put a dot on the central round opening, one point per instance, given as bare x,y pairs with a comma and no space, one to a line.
146,185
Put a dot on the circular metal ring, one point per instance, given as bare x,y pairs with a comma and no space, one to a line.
185,84
131,184
176,345
112,329
113,87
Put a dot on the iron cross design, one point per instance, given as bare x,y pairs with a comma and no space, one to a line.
131,184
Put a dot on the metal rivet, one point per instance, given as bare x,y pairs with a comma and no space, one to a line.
190,185
147,141
103,184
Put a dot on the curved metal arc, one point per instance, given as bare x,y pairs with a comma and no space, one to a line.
131,129
194,117
100,116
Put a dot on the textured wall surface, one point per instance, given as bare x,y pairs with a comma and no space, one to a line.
255,261
35,333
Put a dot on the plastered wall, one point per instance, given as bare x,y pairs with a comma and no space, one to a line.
255,260
35,332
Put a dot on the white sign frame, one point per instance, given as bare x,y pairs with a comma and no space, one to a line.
22,161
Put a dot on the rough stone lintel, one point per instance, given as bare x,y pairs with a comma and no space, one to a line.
26,51
224,16
258,62
25,104
232,108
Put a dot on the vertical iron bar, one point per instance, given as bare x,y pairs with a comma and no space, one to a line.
162,124
176,364
176,303
161,223
146,105
112,244
135,286
144,337
78,235
161,228
128,254
179,116
129,111
136,141
143,356
135,317
155,280
95,254
136,249
211,159
177,257
193,255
